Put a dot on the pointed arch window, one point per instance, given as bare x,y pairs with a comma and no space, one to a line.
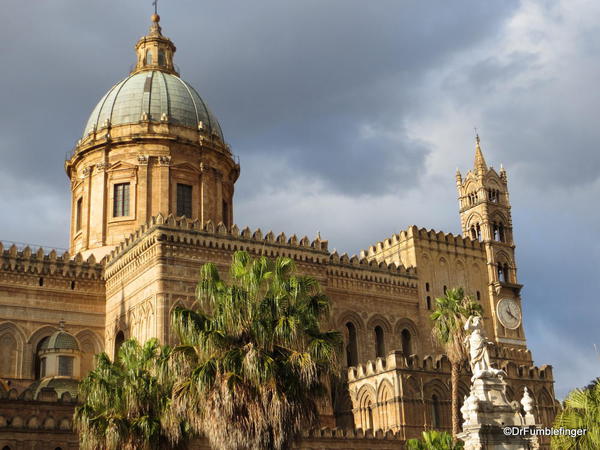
352,347
119,339
503,273
435,411
406,342
379,342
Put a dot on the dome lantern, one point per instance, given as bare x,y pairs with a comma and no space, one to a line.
155,51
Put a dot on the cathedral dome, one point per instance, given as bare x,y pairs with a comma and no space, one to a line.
155,96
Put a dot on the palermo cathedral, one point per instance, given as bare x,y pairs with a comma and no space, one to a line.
152,186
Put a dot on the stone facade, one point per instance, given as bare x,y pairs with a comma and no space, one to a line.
129,266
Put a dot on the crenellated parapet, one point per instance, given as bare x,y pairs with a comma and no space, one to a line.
422,234
210,236
49,269
396,360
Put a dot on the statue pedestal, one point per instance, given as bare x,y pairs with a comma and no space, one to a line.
488,415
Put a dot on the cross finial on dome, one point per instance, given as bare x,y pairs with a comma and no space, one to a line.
155,4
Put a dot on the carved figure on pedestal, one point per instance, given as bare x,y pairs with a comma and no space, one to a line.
479,356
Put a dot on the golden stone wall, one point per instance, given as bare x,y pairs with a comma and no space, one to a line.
37,292
153,158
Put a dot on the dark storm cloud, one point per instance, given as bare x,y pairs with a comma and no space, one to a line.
348,117
298,76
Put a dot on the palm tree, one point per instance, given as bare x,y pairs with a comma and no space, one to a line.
434,440
581,411
123,402
253,360
449,317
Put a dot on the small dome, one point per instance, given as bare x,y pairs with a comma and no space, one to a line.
60,340
154,96
59,384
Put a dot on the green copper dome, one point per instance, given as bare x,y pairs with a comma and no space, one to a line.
60,340
156,96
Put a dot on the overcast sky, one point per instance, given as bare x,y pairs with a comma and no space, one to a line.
350,118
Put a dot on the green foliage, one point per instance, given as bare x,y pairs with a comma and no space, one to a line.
123,402
449,317
434,440
581,411
253,359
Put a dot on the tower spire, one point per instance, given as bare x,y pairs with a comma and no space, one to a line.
480,164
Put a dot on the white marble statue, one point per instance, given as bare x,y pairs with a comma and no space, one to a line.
479,356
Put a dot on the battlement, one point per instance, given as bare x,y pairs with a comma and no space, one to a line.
420,234
41,263
219,237
344,263
396,360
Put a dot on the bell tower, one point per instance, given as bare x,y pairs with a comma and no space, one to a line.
485,216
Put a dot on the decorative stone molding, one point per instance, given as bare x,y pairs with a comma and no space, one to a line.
164,160
86,171
102,167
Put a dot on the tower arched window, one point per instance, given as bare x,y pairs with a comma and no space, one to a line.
161,58
148,57
478,295
503,273
478,229
379,342
428,301
352,347
427,287
473,232
501,232
406,342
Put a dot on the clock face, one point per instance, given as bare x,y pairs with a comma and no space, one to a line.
509,313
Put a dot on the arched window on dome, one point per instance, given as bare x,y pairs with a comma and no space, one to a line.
37,361
148,57
162,61
65,366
